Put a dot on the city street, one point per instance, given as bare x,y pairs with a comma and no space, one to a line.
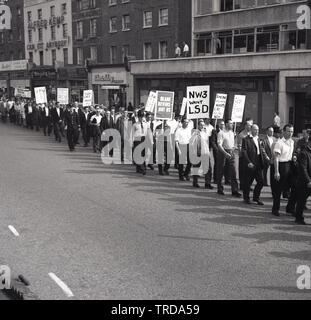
109,233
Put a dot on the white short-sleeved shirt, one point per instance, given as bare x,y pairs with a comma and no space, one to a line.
98,119
285,148
183,136
225,139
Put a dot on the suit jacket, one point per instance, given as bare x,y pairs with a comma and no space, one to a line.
249,152
43,115
107,124
84,122
304,166
72,120
55,117
269,149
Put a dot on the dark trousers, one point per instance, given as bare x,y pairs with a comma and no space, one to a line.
265,175
230,163
242,172
163,162
303,192
287,180
249,176
29,121
71,137
47,126
86,134
140,167
57,131
96,139
184,172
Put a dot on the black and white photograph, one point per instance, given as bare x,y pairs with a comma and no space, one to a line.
155,154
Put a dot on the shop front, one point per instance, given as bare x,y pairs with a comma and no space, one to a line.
260,90
13,74
45,76
110,85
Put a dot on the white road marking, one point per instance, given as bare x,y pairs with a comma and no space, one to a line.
62,285
14,231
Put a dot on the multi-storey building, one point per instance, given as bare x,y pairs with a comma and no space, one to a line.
13,67
107,33
250,47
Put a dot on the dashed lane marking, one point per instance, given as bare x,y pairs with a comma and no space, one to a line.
62,285
14,231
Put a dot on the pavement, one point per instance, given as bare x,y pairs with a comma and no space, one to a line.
86,230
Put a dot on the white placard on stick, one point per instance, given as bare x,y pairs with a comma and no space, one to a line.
63,95
219,106
88,98
238,108
40,94
24,93
183,107
151,102
198,102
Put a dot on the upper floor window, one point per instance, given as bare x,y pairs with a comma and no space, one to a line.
163,17
53,33
64,8
147,51
112,2
52,11
79,4
65,30
126,22
113,24
79,30
29,16
19,11
29,36
113,55
92,3
39,14
93,27
163,53
40,35
147,19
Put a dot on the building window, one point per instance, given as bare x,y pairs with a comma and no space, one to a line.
92,3
41,58
65,30
79,4
125,22
53,33
52,11
39,14
53,57
12,56
1,37
10,36
79,30
80,58
113,24
163,50
65,54
94,53
147,51
125,51
203,7
113,55
64,8
19,34
163,17
267,39
112,2
31,56
40,35
29,15
19,12
243,41
29,36
93,27
147,19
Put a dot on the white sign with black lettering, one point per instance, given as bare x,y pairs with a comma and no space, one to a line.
63,95
88,98
198,102
238,108
40,93
219,106
151,102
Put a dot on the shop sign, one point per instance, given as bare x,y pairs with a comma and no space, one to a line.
13,65
109,78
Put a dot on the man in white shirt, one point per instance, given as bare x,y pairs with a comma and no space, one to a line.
182,139
95,122
185,50
225,140
268,141
276,121
177,51
281,171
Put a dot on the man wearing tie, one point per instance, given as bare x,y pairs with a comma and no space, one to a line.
46,120
268,141
57,119
84,117
254,157
73,126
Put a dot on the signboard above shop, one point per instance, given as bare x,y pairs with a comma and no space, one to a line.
13,65
109,76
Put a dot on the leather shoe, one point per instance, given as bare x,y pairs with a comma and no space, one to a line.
300,222
221,192
247,201
236,194
182,179
209,186
276,213
259,202
292,212
196,186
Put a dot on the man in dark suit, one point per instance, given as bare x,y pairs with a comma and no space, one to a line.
254,157
84,117
57,119
268,141
304,182
46,119
73,126
29,115
107,122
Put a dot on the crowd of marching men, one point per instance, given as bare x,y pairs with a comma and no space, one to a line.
288,159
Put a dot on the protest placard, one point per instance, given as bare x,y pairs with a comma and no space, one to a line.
151,102
63,95
88,98
198,102
24,93
40,94
183,107
164,105
238,108
219,106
